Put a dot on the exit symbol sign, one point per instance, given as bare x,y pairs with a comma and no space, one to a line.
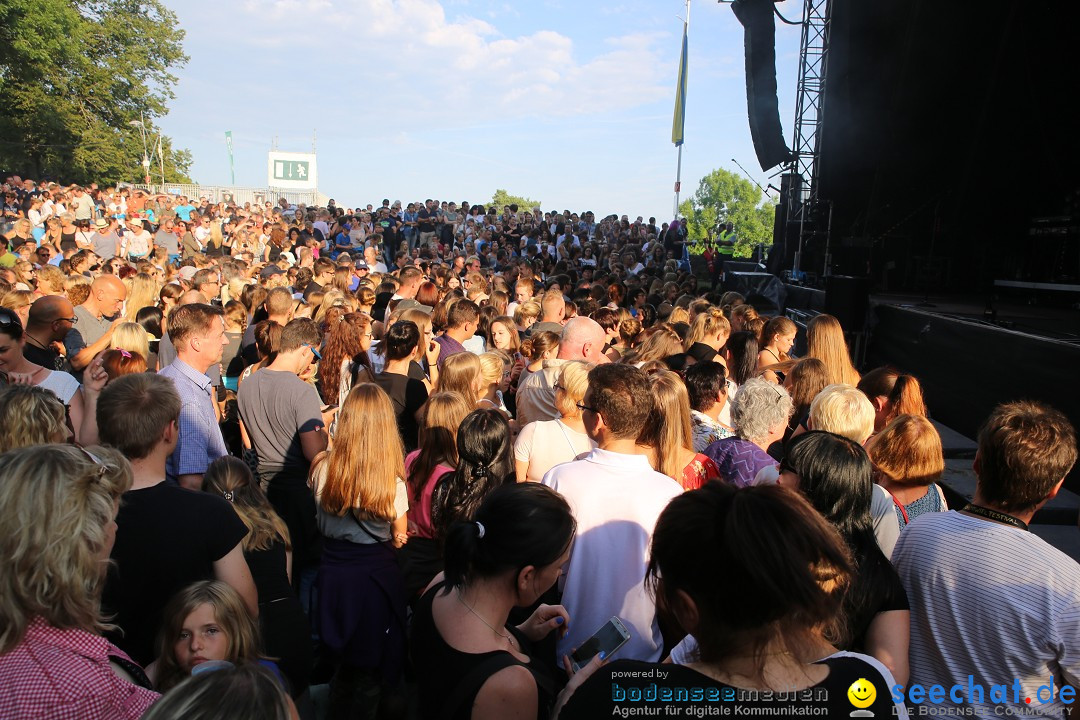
291,169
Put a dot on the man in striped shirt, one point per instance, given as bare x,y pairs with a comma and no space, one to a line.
995,610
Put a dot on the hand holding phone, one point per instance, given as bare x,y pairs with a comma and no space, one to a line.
608,639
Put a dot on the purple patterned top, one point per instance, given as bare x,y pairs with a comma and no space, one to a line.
738,460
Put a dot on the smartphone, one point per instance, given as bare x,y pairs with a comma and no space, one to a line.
612,636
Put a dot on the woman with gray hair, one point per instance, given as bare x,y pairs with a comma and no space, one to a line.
760,414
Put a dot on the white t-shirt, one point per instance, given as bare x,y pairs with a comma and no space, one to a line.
886,529
725,412
536,393
63,385
547,443
475,345
616,499
992,602
139,243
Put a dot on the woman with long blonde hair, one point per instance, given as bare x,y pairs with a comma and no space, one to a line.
461,374
19,302
825,341
142,291
494,380
333,298
427,336
343,279
215,241
662,342
361,503
24,274
669,437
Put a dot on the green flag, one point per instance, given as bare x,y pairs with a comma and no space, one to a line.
232,167
680,96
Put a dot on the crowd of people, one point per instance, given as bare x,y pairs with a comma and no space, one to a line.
423,453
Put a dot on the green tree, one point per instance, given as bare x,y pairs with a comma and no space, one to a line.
501,199
724,197
76,78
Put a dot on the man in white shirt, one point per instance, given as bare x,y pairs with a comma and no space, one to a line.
616,498
371,257
202,230
991,603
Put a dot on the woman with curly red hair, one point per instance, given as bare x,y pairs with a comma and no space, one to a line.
345,357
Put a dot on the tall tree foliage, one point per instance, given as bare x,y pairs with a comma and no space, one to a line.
501,199
74,75
724,197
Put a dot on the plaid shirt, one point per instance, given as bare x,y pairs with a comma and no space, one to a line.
55,674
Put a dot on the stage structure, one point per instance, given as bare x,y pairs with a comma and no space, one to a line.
803,202
934,144
802,216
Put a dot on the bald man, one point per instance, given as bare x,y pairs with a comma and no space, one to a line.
51,318
553,311
97,317
582,339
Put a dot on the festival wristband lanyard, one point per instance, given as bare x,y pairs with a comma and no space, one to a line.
995,515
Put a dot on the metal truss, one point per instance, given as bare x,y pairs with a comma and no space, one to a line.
809,112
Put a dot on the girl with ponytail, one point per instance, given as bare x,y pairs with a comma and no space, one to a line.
484,463
893,393
470,663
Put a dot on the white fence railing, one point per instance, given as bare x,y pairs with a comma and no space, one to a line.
240,195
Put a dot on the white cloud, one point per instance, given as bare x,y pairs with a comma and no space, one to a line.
406,55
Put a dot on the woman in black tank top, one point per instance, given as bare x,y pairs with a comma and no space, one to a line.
464,652
67,232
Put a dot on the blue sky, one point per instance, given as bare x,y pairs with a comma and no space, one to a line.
566,102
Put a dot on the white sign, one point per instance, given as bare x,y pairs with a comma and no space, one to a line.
292,171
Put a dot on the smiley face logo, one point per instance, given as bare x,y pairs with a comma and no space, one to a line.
862,694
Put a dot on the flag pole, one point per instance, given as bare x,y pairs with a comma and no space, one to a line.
678,122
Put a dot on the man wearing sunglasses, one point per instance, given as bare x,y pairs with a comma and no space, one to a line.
51,319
